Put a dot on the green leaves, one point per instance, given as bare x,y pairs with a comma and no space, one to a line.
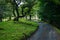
57,1
5,8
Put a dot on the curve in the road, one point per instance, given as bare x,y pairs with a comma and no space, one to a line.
45,32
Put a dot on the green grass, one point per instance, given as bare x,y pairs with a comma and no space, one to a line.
14,31
28,22
57,30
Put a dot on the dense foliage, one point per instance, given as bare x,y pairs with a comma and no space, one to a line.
49,11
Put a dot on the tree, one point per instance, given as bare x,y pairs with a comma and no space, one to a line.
30,4
15,4
49,10
2,9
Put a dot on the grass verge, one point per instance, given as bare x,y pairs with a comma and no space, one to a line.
14,31
57,30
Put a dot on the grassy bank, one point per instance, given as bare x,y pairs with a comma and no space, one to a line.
57,30
14,31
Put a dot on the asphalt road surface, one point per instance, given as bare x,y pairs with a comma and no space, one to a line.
45,32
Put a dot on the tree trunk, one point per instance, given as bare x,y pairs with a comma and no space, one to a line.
16,18
0,19
1,16
30,17
22,11
15,8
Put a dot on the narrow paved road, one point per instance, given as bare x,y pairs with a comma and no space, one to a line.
45,32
